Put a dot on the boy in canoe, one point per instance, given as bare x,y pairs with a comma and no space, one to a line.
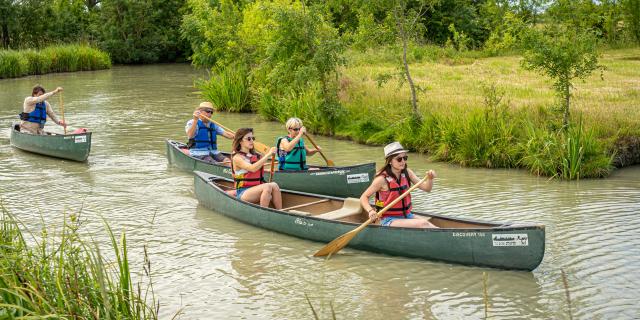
202,135
390,182
292,153
247,168
35,110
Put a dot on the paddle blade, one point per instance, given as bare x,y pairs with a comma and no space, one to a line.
337,244
330,163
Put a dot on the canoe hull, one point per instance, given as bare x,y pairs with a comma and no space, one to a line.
74,147
334,181
519,247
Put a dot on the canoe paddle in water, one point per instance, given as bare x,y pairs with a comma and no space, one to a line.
340,242
328,161
260,147
62,113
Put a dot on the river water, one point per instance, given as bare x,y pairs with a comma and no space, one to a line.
207,266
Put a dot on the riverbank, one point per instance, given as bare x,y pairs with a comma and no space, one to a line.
64,58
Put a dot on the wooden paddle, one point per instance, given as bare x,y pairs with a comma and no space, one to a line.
340,242
62,113
260,147
273,163
328,161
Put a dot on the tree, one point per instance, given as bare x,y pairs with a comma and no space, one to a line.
563,54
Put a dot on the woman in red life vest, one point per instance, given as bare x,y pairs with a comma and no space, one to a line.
248,172
392,181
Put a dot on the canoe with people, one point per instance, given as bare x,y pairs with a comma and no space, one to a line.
388,224
29,134
290,169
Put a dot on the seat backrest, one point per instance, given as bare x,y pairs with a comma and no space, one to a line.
350,207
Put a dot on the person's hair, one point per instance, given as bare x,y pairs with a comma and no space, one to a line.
293,122
240,134
36,89
387,168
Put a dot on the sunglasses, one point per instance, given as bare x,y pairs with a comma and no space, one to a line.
295,129
400,159
208,111
250,138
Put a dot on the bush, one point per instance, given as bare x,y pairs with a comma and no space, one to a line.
13,64
228,89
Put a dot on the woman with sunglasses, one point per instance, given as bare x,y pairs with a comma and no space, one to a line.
390,182
292,153
247,168
202,135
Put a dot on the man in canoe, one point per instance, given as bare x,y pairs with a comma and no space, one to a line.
202,134
35,110
292,153
390,182
247,168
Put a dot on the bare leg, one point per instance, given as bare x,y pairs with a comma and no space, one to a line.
276,195
255,194
412,223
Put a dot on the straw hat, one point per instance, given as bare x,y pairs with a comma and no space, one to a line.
393,148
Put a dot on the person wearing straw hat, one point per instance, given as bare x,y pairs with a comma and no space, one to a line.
390,182
202,135
35,110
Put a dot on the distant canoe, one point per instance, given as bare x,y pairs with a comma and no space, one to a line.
70,146
349,181
517,246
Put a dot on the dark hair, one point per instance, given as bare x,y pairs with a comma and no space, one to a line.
387,168
240,134
36,89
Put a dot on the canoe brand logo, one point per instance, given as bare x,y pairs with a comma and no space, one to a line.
357,178
226,171
510,240
80,139
303,222
324,173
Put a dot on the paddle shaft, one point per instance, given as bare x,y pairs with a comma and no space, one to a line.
62,113
329,162
340,242
261,147
273,163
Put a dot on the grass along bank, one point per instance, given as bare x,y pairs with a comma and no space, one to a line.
63,58
475,110
64,277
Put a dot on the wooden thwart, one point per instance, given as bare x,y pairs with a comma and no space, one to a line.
306,204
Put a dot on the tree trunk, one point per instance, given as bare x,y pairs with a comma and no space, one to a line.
5,36
403,35
567,96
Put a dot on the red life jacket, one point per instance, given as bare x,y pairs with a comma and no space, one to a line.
396,188
248,179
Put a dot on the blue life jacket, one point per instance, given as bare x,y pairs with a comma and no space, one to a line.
296,159
39,114
206,137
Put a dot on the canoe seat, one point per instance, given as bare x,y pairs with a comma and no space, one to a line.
350,207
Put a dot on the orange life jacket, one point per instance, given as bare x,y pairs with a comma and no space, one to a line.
396,188
248,179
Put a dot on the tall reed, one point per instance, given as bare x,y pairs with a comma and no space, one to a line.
65,277
62,58
228,89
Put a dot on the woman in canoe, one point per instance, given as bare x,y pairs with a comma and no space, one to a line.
247,168
292,153
390,182
35,110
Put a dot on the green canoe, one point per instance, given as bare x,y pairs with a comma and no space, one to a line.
348,181
66,146
517,246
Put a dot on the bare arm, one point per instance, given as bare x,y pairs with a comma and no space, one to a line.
228,135
240,163
311,152
191,131
30,102
425,186
377,185
289,145
51,113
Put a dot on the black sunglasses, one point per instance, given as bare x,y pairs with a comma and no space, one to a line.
295,129
400,159
250,138
208,111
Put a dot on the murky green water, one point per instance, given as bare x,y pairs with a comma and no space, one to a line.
212,267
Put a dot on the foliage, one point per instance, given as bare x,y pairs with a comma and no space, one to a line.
66,58
65,277
562,54
228,89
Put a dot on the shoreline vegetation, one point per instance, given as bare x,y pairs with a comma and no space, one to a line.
59,58
56,274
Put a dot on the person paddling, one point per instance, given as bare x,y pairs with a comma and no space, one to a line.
247,168
292,153
202,135
35,110
390,182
